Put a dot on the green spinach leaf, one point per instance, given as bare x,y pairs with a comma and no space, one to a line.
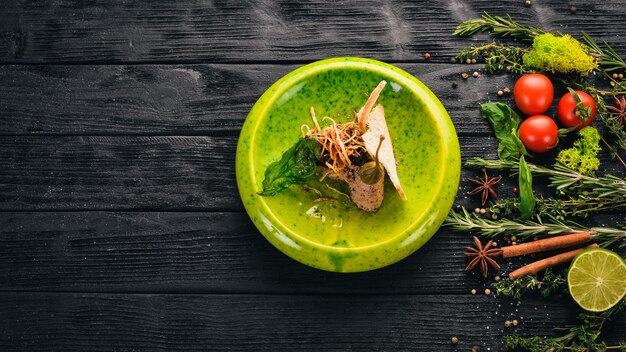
297,165
504,122
527,198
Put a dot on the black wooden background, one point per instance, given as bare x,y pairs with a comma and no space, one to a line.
121,228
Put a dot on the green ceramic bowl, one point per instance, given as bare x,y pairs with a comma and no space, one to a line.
331,235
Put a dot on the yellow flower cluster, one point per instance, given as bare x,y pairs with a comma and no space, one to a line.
559,54
583,156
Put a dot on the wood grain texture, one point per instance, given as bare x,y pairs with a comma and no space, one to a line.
205,253
268,30
115,322
142,172
195,99
188,100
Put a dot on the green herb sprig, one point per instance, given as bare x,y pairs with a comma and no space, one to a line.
581,206
465,221
579,338
497,26
548,284
563,179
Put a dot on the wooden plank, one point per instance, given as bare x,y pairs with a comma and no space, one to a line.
204,253
122,322
164,31
140,172
190,99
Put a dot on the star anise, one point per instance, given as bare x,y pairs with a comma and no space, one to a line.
482,256
485,185
619,110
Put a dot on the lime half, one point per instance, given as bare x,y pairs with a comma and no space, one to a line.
597,279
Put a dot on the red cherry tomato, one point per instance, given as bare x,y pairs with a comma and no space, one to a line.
539,133
566,109
533,93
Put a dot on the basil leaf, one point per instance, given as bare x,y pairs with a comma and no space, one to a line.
297,165
510,148
527,198
504,122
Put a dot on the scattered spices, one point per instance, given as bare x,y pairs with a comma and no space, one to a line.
482,257
614,76
468,61
506,90
464,75
473,61
494,217
427,56
477,210
515,190
514,322
620,76
483,211
513,238
500,93
454,340
453,60
487,291
484,186
527,3
497,278
475,349
507,323
513,243
476,74
573,9
473,291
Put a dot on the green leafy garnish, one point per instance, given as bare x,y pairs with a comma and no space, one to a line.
504,122
527,198
582,157
297,165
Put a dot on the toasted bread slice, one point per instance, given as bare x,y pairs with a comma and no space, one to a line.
377,126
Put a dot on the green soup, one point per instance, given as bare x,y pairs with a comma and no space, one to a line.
337,236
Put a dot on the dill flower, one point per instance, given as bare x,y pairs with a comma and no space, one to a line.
559,54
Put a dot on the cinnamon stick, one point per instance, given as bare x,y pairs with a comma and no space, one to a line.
550,262
546,244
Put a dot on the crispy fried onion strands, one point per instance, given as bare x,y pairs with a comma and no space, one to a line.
341,143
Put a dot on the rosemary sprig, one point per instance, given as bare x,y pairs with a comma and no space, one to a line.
607,57
549,283
579,338
497,26
565,180
526,229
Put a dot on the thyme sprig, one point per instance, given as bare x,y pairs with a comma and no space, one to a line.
465,221
581,206
579,338
546,285
497,57
497,26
